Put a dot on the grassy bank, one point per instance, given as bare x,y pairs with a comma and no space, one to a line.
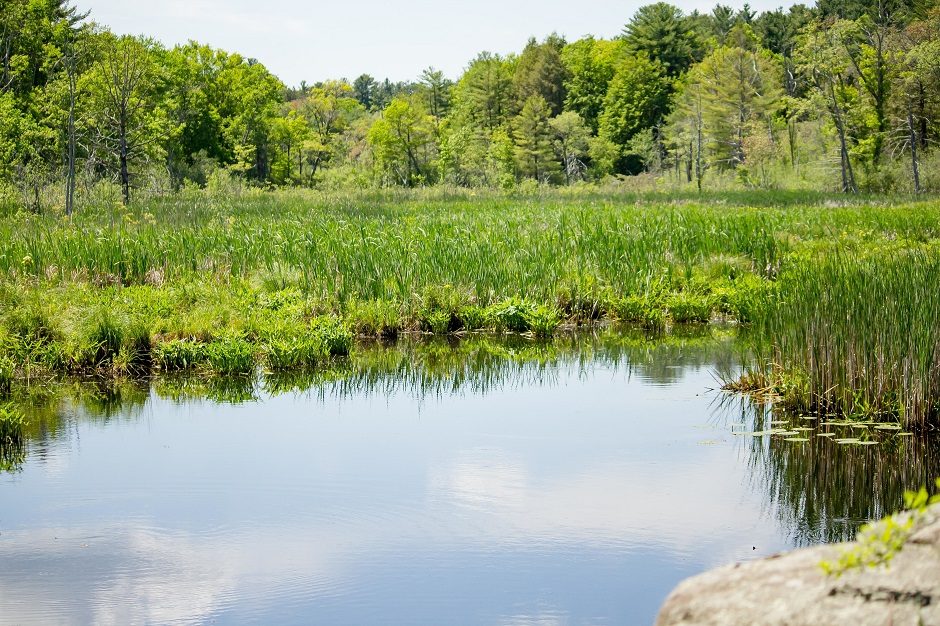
286,280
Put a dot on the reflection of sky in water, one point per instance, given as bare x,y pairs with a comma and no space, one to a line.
583,500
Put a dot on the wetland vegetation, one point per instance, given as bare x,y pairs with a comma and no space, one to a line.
838,295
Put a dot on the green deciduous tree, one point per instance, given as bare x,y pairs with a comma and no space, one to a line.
571,141
591,64
127,121
403,142
636,99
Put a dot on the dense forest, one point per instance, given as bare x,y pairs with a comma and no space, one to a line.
844,95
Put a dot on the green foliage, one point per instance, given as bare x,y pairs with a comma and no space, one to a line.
821,300
532,132
635,100
230,355
179,354
878,543
591,64
540,72
661,32
685,307
7,371
402,141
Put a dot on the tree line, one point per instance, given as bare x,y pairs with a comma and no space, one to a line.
844,94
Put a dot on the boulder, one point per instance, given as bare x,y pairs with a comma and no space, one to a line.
792,589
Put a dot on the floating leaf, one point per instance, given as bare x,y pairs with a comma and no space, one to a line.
888,427
797,439
847,441
825,434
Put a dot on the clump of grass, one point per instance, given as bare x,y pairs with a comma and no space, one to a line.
179,354
511,315
333,334
859,328
686,308
108,341
440,309
7,369
647,312
543,320
12,426
472,317
377,318
295,352
231,355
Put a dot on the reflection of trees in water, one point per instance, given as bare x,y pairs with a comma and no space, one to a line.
823,491
417,366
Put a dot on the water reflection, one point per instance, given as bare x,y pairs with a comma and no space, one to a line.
824,492
503,482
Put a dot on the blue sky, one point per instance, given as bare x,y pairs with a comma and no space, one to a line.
312,40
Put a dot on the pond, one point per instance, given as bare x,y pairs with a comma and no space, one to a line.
476,481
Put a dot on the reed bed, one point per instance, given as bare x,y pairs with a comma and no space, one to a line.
855,330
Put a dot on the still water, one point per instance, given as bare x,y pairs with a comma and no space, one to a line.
474,482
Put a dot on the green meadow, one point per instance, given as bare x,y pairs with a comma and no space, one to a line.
837,297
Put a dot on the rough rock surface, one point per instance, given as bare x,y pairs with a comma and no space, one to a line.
791,589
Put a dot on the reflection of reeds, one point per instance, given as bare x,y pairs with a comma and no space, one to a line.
12,438
478,363
823,491
420,366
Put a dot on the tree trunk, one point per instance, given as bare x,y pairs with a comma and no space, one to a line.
791,137
70,156
915,170
848,176
698,151
125,176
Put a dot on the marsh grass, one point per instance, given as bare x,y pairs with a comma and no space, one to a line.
841,287
855,329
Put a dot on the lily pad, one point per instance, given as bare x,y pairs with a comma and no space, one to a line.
847,441
825,434
797,439
888,427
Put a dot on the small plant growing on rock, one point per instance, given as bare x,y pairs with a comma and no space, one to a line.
879,542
